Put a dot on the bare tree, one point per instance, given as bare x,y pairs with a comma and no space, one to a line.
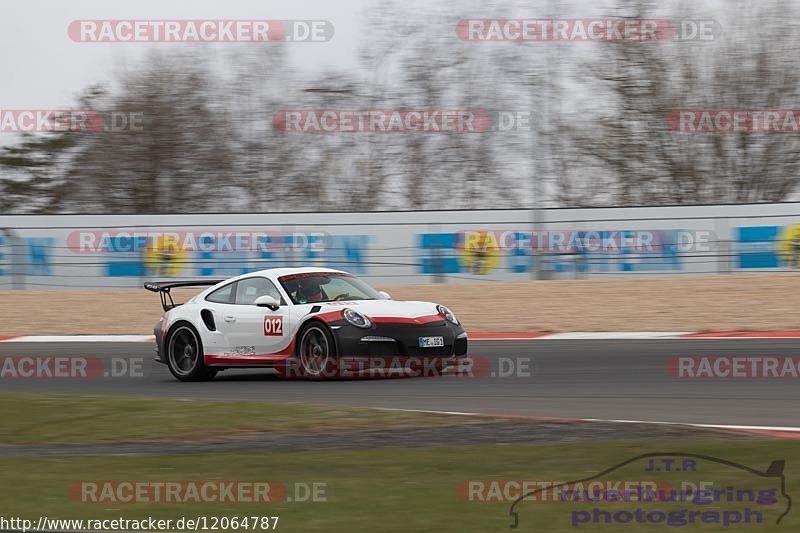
626,145
171,158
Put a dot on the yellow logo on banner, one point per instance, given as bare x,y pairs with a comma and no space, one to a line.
480,252
164,256
789,245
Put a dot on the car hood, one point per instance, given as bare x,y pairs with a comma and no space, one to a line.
386,308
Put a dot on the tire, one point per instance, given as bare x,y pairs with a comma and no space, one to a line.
316,352
185,354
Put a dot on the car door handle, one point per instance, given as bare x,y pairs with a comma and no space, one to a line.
229,318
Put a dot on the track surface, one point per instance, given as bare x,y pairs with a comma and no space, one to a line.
613,380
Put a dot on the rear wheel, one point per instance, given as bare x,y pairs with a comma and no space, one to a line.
185,354
316,352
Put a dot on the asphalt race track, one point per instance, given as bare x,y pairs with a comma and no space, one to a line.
615,380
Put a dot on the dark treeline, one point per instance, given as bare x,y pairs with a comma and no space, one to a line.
596,133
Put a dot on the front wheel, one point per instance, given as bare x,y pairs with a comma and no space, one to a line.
316,352
185,354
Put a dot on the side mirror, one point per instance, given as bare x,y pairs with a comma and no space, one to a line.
384,295
268,301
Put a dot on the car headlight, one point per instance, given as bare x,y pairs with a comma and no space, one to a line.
447,314
357,319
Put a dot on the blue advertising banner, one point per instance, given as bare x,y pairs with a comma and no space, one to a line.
224,254
768,246
483,252
33,254
757,246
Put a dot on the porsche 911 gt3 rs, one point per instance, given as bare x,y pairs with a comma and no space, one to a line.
303,322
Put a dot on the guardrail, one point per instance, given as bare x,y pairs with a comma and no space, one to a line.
123,250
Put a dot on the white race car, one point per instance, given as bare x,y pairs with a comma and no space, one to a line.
303,322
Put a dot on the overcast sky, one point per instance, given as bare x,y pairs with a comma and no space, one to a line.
42,68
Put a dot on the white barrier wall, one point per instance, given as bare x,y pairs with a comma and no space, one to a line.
398,247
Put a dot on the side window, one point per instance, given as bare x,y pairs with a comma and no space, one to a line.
223,295
251,288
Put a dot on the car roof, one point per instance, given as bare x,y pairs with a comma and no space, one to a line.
278,272
275,273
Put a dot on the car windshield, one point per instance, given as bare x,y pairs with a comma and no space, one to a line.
317,287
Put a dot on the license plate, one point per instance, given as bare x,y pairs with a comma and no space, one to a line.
431,342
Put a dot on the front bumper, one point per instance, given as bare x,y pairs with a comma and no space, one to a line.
400,340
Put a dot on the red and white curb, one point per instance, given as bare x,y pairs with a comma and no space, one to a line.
80,338
481,337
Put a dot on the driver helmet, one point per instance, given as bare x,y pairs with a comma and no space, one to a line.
310,290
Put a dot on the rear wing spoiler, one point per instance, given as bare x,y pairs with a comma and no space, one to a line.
163,289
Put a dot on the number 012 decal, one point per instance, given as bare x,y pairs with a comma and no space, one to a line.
273,326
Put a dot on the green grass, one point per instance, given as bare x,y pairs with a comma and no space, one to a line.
386,489
34,418
389,489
